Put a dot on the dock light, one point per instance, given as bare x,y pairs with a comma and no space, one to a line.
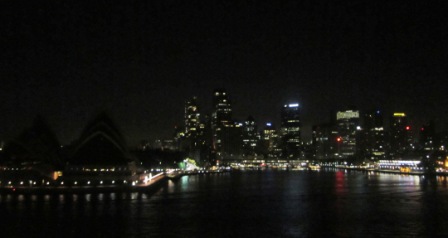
62,183
101,182
88,182
75,182
21,182
113,181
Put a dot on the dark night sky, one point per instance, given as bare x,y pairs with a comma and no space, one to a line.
140,60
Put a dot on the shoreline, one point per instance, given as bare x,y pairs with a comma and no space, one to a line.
157,183
153,185
415,173
149,187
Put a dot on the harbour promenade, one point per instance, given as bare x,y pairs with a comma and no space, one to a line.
389,171
149,184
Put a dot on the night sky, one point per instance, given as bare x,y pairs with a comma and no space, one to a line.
140,60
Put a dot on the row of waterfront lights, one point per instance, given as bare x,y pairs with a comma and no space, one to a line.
62,183
397,164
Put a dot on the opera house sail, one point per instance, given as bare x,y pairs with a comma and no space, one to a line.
34,155
100,154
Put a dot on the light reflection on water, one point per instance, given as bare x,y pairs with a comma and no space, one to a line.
252,203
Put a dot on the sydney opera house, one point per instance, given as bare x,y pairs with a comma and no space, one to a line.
98,157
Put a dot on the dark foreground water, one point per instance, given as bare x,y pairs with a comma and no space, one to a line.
243,204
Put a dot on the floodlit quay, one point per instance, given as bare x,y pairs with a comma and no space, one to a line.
146,183
404,167
150,183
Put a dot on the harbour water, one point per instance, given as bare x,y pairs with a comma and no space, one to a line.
268,203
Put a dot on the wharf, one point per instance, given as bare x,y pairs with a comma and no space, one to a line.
149,186
417,173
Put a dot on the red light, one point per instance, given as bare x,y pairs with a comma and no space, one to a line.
423,128
408,128
339,139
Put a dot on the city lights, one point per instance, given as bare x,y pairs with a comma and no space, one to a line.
399,114
293,105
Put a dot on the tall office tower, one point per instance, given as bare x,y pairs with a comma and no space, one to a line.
270,142
250,138
192,118
373,137
400,135
290,131
222,108
427,137
193,129
324,141
348,125
442,142
204,140
223,128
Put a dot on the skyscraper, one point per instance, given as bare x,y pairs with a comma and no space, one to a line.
226,138
221,116
348,125
427,137
250,137
192,118
324,141
222,109
373,136
271,142
400,135
291,131
194,135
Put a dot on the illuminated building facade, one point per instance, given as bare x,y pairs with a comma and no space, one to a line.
194,130
348,126
324,141
271,142
250,138
226,134
192,118
291,131
222,108
373,136
221,118
230,136
427,137
400,136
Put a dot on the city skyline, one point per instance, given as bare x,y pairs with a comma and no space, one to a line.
202,115
141,61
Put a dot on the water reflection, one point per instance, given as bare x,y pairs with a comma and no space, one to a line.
252,203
